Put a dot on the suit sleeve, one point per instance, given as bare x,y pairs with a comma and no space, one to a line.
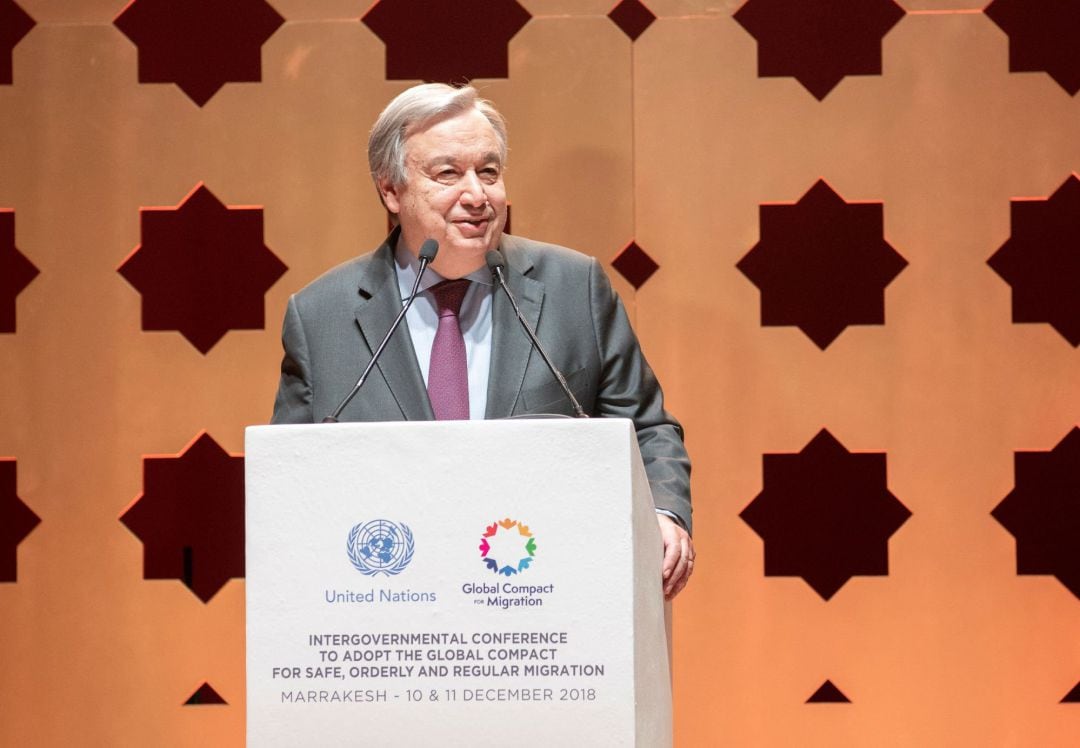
629,389
293,401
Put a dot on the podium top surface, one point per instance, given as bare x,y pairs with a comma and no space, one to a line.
598,426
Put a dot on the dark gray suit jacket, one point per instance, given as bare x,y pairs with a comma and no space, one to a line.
332,326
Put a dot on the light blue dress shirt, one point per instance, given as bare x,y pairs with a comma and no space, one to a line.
474,319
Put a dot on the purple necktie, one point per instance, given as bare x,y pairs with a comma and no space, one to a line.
448,372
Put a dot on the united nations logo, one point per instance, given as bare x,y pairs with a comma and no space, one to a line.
380,547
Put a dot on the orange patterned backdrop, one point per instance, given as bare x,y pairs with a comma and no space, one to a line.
848,232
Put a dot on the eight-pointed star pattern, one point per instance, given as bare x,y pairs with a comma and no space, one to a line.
15,23
632,17
16,271
634,264
822,264
202,268
1041,260
1043,512
190,517
818,42
1044,36
205,694
828,693
417,45
200,45
825,514
1073,696
16,520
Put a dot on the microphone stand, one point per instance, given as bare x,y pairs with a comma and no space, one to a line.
495,264
427,253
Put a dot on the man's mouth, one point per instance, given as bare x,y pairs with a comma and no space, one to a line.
469,225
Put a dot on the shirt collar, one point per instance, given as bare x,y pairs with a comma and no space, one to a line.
407,265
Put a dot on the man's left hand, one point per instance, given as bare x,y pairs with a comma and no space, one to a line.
678,556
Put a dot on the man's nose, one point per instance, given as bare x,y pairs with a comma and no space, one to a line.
472,189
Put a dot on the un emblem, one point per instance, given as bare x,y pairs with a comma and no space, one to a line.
380,547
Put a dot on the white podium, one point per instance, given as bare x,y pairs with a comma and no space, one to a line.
455,583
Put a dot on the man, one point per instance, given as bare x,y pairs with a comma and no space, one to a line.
437,156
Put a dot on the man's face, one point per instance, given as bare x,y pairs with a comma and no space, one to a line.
453,192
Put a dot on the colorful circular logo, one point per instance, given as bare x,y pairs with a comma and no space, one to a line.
507,547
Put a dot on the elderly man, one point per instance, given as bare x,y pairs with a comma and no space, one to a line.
437,156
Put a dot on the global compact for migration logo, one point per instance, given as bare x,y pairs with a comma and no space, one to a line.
380,547
507,547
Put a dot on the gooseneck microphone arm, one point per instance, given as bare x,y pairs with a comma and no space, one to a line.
427,253
495,264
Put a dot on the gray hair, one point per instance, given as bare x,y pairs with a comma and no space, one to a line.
420,106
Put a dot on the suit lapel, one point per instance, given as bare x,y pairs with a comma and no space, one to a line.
379,305
510,348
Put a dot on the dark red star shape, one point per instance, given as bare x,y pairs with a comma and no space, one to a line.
202,269
822,264
828,693
1073,696
205,694
1041,260
190,517
200,45
634,264
632,17
1044,36
818,42
1043,512
14,25
16,271
825,514
16,520
431,41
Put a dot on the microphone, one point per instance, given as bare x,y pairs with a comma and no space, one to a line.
495,264
427,253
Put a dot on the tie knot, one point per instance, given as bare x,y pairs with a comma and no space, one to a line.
449,295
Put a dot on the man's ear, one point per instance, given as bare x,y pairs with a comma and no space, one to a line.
389,195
